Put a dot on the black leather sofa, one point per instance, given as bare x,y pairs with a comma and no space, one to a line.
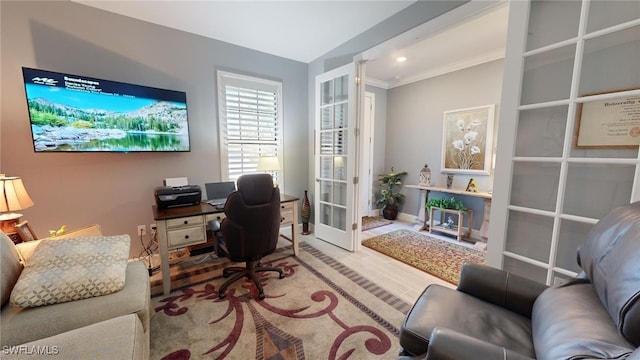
497,315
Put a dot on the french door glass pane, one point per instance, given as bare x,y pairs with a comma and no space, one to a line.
341,88
525,270
326,117
529,235
326,167
326,190
572,234
340,195
341,115
535,185
547,76
339,218
340,167
606,66
325,214
551,22
607,13
326,96
605,153
541,132
326,143
340,142
597,188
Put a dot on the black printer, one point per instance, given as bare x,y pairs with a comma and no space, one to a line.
173,196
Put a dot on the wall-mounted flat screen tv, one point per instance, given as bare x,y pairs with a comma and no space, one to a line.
73,113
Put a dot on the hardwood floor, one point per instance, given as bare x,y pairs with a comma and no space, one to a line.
400,279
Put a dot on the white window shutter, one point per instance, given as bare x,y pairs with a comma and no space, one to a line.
250,123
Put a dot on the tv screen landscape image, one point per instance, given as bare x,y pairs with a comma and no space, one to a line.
73,113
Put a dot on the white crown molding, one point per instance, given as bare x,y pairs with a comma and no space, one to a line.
467,63
376,82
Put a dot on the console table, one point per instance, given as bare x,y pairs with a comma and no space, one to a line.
182,226
424,216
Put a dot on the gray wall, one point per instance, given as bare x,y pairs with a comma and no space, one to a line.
116,190
414,127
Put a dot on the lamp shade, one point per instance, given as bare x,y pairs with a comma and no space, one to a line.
13,195
268,163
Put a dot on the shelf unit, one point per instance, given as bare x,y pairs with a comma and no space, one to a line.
457,229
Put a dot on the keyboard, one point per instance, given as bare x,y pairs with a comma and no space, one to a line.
216,204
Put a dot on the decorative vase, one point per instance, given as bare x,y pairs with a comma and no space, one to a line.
305,213
449,181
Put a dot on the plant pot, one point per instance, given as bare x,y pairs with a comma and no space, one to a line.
390,212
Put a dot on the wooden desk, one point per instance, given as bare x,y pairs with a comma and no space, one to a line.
183,226
424,216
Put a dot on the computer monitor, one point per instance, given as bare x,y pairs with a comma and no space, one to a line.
217,192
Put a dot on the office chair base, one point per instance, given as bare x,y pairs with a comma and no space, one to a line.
235,273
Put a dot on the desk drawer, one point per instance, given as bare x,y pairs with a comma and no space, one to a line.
287,217
288,206
185,221
186,236
216,216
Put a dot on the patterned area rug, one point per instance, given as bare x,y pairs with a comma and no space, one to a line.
372,222
320,310
437,257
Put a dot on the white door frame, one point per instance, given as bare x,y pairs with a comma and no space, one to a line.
367,141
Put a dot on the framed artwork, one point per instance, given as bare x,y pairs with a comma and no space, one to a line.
25,232
467,140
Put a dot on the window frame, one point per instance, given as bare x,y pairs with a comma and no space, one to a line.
226,78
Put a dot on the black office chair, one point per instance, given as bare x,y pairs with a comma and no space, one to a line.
251,228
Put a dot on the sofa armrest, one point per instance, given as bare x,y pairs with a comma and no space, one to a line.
447,344
499,287
26,249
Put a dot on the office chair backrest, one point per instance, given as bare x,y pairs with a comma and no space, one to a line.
252,225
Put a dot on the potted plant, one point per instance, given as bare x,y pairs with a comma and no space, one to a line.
443,203
389,196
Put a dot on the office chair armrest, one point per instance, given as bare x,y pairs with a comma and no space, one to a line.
499,287
447,344
214,225
220,247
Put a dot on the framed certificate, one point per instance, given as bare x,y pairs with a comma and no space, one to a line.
612,123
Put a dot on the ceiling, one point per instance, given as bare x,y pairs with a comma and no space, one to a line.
298,30
306,30
475,40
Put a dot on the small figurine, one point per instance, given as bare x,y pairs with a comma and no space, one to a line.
472,186
448,224
58,232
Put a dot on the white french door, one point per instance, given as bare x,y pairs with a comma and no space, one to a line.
336,158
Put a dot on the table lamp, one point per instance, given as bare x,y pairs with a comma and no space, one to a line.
269,164
13,197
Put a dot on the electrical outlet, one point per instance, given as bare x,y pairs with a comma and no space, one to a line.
142,230
153,226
